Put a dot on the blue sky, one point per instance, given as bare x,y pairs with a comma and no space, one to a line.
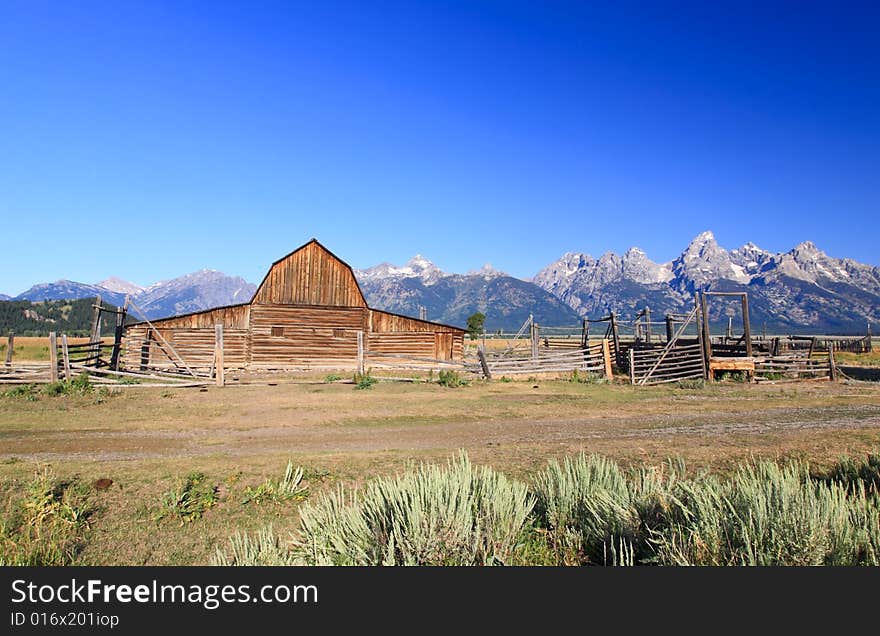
147,140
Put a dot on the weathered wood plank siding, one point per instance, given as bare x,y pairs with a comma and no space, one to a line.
192,336
391,333
290,336
310,276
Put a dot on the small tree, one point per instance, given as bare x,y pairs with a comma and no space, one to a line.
475,324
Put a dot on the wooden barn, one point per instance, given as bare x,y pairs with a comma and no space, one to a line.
308,312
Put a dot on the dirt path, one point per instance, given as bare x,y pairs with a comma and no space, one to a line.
98,445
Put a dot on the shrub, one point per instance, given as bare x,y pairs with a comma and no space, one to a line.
287,488
771,515
451,379
23,391
594,513
332,378
457,515
79,385
189,500
48,526
364,381
850,473
263,548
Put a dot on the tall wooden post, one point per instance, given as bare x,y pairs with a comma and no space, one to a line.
832,368
534,335
585,334
747,330
869,345
53,357
218,355
360,360
707,333
730,327
632,365
117,335
485,365
615,338
701,335
10,347
95,334
606,355
648,325
65,357
669,329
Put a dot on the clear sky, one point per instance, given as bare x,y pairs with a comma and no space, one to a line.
147,140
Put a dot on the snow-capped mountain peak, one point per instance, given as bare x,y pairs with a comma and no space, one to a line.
487,272
120,286
416,267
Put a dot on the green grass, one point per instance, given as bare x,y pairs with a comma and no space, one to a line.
80,385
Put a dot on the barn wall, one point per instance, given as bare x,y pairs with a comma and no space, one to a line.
383,322
195,346
305,336
235,317
310,276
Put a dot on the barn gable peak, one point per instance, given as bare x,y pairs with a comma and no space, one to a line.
310,275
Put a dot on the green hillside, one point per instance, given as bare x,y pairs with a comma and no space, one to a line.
73,317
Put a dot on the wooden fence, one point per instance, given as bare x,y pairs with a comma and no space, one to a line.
595,359
659,366
795,367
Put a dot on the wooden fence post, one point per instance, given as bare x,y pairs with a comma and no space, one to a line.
360,360
219,370
747,329
117,335
648,325
484,364
615,336
65,356
53,357
701,336
707,332
10,347
606,354
832,369
669,329
95,333
534,334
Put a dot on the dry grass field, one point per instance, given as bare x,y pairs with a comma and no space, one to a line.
148,440
35,348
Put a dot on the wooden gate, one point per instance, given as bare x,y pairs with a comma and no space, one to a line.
675,362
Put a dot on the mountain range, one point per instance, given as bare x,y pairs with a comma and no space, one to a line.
199,290
802,290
